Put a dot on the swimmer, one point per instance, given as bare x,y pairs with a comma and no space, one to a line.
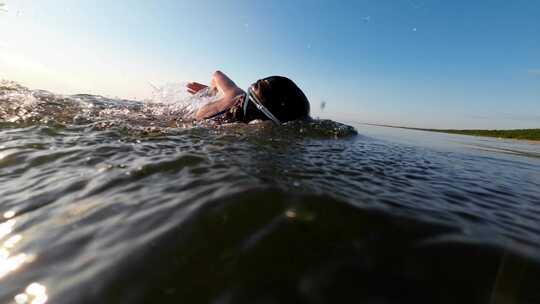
274,98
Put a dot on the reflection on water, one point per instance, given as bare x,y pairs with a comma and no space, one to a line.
8,261
110,203
9,214
35,293
6,228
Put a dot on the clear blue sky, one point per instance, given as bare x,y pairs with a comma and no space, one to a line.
429,63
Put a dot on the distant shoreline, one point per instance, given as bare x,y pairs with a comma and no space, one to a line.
529,135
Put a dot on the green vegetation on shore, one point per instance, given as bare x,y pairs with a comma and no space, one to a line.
526,134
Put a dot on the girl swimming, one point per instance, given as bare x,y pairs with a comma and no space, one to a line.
274,98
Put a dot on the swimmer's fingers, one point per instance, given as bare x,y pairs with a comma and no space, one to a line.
194,87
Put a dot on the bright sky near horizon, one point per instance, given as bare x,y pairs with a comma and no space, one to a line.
419,63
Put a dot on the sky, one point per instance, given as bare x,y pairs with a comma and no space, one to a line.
417,63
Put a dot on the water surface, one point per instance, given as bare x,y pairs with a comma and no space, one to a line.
116,201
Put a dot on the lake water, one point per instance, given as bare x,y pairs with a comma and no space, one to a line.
114,201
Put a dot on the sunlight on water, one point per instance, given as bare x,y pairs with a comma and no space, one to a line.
8,261
9,264
10,243
6,228
8,214
35,293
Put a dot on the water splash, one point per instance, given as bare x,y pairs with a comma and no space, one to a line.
168,104
176,95
169,110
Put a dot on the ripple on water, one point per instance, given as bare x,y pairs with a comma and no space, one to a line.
134,209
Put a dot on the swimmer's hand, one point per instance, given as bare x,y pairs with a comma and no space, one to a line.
194,87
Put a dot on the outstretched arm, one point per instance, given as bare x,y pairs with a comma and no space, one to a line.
224,84
229,90
219,81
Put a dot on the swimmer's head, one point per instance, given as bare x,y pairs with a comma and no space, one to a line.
282,97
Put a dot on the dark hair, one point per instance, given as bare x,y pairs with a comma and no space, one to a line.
284,99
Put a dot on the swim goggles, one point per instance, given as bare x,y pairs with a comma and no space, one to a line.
250,96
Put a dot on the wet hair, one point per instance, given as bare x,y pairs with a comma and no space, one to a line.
284,99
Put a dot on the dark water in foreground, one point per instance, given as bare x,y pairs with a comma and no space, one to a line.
125,204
